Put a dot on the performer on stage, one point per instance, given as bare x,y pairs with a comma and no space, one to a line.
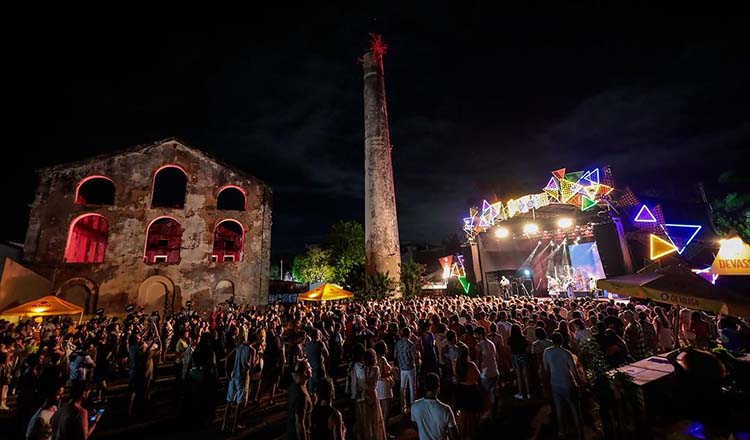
592,288
505,286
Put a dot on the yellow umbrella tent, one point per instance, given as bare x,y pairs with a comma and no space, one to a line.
49,305
325,292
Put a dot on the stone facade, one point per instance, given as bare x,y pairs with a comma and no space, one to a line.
121,274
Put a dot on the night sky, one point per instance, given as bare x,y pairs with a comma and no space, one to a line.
480,102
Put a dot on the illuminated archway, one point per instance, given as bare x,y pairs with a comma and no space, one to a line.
87,239
231,198
229,238
163,241
169,187
95,190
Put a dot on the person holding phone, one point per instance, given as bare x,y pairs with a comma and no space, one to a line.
72,421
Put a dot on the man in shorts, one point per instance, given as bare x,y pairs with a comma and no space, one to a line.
237,389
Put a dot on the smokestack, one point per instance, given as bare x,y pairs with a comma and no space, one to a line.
382,252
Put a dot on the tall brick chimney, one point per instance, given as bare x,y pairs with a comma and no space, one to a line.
382,252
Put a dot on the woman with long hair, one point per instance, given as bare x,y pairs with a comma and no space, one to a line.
519,348
369,424
468,394
384,387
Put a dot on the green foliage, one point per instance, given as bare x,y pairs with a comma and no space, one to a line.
412,278
346,242
731,215
378,286
355,279
314,266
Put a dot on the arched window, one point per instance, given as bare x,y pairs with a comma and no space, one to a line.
231,198
229,236
163,239
170,186
87,239
95,190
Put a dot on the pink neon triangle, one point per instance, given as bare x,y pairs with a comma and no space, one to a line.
645,215
552,184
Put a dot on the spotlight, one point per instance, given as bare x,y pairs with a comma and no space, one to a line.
565,222
527,272
502,232
530,228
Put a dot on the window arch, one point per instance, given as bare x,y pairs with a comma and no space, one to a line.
163,240
229,237
95,190
87,239
231,198
170,186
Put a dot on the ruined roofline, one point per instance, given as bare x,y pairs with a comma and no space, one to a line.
143,147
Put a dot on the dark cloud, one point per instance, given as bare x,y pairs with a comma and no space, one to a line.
480,104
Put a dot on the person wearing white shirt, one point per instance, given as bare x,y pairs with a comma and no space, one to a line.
487,363
564,381
434,419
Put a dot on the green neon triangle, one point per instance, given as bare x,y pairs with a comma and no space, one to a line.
587,203
464,283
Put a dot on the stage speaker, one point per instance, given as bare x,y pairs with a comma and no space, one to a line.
609,249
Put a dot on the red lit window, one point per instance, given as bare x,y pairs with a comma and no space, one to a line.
95,190
229,237
170,186
231,198
87,239
163,240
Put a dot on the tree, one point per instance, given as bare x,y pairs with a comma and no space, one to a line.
346,242
412,278
731,215
378,286
314,266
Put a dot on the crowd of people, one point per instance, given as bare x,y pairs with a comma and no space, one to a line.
443,362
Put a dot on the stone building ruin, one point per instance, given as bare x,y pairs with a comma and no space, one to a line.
155,225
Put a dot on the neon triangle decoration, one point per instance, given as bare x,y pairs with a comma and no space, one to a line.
587,203
660,247
473,212
592,176
575,200
560,174
568,189
499,210
645,215
553,194
574,177
483,222
681,235
464,283
603,190
590,191
485,206
552,184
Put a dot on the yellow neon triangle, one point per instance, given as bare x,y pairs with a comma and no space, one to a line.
660,247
